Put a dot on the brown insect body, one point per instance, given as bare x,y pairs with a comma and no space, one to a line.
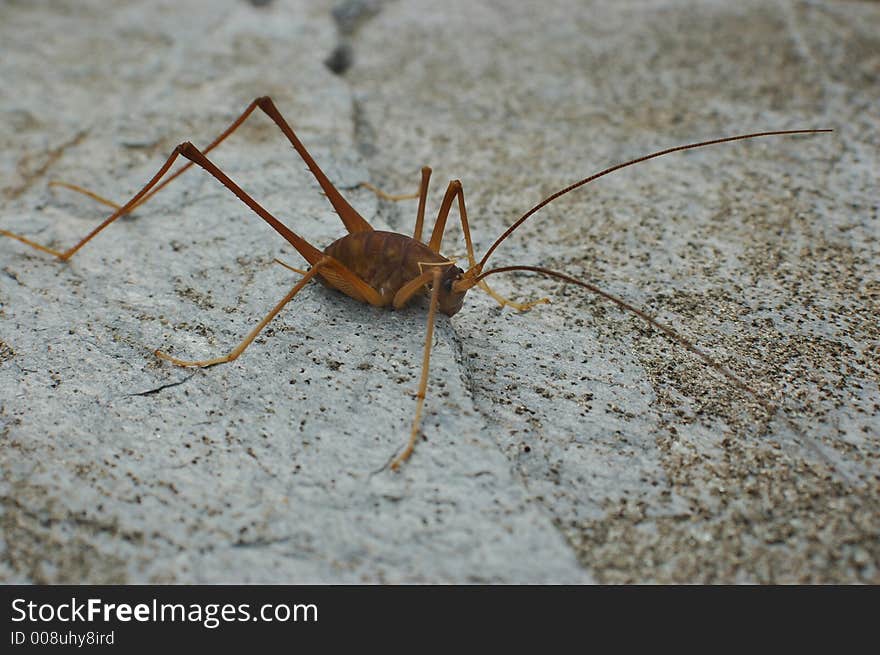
387,261
387,269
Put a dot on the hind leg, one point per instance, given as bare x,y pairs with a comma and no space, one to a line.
353,221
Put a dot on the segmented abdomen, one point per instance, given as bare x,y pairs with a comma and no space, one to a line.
384,260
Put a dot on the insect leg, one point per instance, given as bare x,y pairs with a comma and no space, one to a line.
421,194
423,197
289,267
216,142
307,250
330,269
64,255
453,191
336,274
353,221
436,275
92,194
253,333
411,288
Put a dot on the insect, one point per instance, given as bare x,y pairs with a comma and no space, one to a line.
387,269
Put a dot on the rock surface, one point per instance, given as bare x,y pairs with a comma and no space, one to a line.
568,444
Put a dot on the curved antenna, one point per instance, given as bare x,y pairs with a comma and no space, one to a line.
665,329
595,176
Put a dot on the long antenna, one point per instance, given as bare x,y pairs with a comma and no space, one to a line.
665,329
596,176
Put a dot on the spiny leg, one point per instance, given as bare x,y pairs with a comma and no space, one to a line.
148,191
453,191
334,272
435,277
353,221
233,354
216,142
327,266
152,188
188,150
64,255
330,269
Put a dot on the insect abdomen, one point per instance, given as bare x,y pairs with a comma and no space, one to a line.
384,260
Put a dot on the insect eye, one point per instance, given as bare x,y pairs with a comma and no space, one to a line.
447,285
